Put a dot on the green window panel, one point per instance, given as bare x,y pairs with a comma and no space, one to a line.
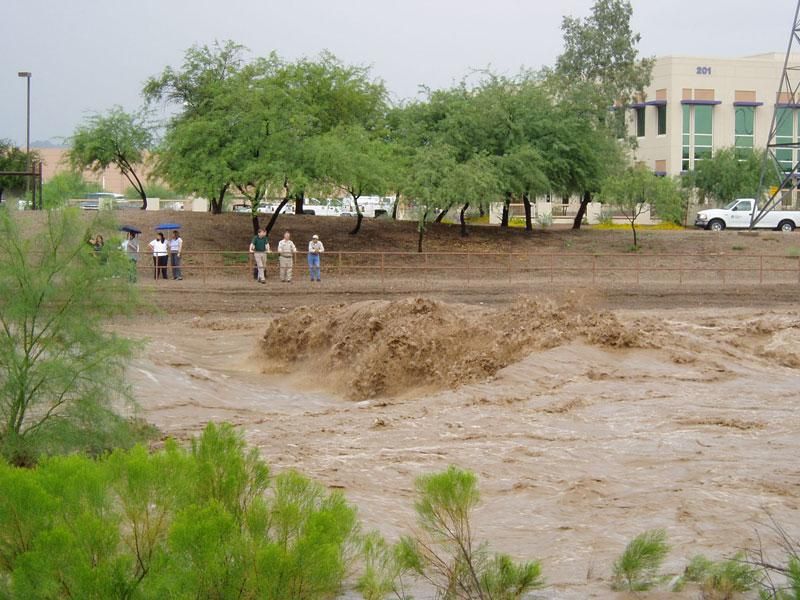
703,119
686,119
662,120
640,122
744,120
784,123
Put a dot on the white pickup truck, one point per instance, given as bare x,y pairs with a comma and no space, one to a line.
737,215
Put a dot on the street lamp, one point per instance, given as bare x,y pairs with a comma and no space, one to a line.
27,75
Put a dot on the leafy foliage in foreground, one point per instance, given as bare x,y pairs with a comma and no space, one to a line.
637,567
721,580
444,552
60,370
205,522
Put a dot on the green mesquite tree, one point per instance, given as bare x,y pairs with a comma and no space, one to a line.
117,138
60,370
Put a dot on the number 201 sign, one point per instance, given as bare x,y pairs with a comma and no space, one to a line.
704,70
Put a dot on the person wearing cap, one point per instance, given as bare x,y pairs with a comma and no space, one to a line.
286,251
315,248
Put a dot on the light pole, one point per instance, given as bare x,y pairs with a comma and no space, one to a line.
27,76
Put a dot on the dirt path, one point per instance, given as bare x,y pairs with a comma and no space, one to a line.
579,446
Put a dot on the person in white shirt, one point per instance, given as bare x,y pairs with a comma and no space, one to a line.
286,250
175,248
315,248
159,248
132,250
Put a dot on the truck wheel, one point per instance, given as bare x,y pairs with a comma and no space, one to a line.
786,225
716,225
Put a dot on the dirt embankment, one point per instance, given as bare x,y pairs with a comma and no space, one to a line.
387,348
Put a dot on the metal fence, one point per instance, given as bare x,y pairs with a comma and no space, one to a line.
475,268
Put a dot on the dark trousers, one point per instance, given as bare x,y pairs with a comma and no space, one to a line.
160,266
175,262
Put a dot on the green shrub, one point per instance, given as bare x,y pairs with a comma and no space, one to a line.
61,370
444,552
637,567
721,580
205,522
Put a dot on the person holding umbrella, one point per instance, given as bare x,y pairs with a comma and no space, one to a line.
132,250
159,249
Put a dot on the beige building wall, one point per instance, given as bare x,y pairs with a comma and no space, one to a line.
685,80
110,180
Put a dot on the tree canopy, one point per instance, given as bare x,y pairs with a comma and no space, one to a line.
117,138
11,159
729,174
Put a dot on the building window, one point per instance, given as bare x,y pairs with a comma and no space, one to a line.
703,131
784,134
698,134
687,128
744,130
662,119
640,121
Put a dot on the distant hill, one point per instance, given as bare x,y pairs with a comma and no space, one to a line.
51,143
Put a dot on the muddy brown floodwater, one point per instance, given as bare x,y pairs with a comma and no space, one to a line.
583,433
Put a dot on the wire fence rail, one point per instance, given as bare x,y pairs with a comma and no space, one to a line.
473,268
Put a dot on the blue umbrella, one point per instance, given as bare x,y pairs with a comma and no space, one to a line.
162,226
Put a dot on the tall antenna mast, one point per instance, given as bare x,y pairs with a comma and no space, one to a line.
781,155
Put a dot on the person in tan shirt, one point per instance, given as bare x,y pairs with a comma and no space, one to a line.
286,252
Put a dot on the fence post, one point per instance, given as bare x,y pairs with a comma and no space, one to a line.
508,266
638,268
339,265
469,276
383,280
594,268
205,267
722,269
552,266
680,269
760,269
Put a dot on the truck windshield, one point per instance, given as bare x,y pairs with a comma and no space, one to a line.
730,205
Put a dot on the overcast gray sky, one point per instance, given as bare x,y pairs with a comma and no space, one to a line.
88,55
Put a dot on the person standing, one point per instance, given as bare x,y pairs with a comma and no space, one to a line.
132,250
259,246
159,248
315,248
286,251
175,248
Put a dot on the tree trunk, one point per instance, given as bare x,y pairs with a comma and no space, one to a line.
526,200
256,225
394,206
635,239
299,203
464,220
506,203
421,230
359,217
215,204
442,214
481,211
274,217
587,197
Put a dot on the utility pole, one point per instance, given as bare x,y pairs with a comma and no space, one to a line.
27,76
781,157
